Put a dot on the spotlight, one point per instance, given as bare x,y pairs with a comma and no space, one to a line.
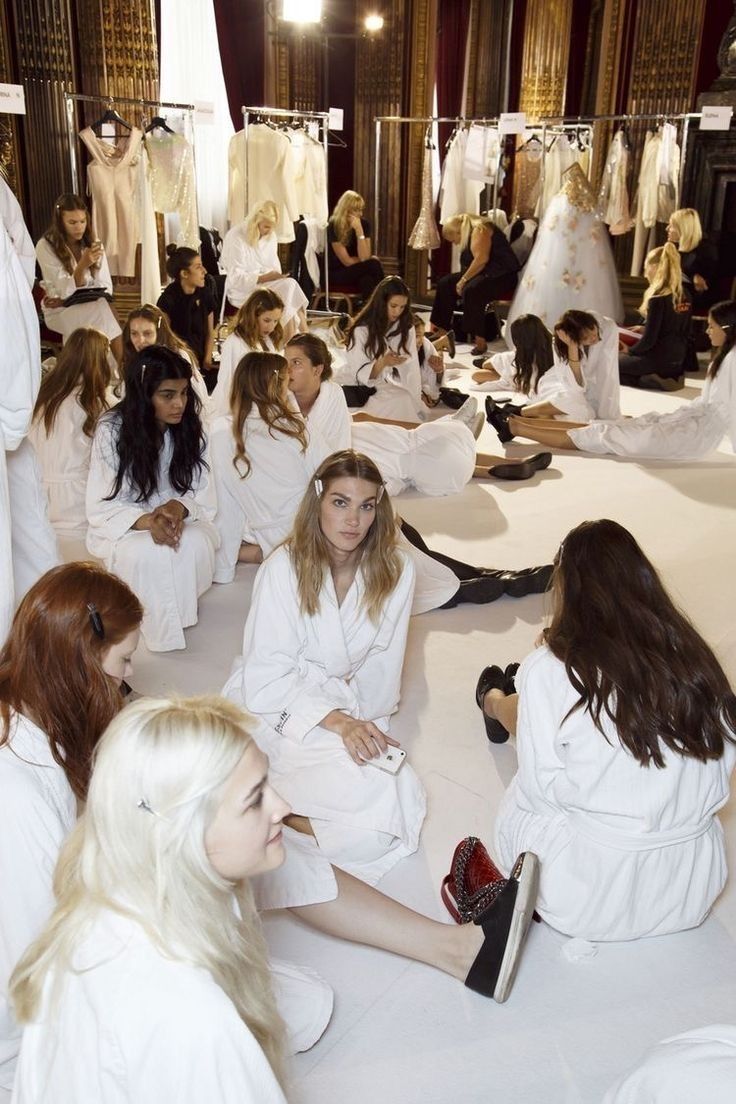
373,23
301,11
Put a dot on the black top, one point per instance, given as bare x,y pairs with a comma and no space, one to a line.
333,261
701,261
666,332
187,315
502,261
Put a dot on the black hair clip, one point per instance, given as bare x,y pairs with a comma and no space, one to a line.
96,621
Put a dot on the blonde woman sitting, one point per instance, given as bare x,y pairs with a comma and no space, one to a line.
250,257
656,360
350,260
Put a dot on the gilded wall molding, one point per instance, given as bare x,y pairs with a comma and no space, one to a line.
117,49
488,32
545,57
422,63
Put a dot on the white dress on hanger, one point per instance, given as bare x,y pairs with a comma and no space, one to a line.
168,581
310,179
657,191
296,669
571,265
625,851
559,158
398,390
244,263
173,183
688,433
272,169
232,352
614,194
458,193
112,177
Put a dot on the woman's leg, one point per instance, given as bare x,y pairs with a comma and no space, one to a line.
445,300
362,914
250,553
477,296
462,570
551,436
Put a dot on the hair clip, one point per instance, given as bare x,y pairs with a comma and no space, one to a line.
143,371
142,803
96,621
379,492
318,487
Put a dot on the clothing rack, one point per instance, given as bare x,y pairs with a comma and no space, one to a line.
321,118
380,120
71,98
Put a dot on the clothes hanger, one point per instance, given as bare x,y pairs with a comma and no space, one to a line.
337,142
532,138
428,143
158,123
110,116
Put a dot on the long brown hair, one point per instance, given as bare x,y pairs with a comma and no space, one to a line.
724,314
533,357
83,366
574,323
374,316
51,663
257,382
380,562
245,323
56,235
631,654
164,334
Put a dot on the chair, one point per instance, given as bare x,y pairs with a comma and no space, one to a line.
337,293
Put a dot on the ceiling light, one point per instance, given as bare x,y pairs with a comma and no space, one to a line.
301,11
374,22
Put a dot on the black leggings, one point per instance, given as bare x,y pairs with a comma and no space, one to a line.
462,570
477,295
632,368
363,276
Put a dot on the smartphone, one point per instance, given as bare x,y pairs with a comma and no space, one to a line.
389,760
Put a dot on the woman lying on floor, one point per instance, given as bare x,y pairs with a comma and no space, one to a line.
265,455
693,430
625,754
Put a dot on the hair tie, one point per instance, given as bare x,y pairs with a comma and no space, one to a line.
96,621
318,487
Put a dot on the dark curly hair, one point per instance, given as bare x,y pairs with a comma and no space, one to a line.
140,439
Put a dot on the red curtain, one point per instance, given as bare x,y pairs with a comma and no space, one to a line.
241,33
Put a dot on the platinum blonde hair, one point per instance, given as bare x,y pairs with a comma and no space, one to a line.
139,850
687,223
466,224
265,211
347,203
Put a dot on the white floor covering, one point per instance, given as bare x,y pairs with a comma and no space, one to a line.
403,1033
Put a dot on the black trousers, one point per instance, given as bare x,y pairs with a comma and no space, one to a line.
363,276
462,570
632,368
477,295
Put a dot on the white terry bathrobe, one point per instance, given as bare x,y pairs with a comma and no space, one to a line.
296,669
625,851
557,385
233,351
692,431
698,1065
244,263
167,581
398,390
63,456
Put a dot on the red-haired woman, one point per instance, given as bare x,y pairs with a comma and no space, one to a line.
61,672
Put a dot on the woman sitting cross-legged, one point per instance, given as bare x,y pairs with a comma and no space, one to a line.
150,503
693,430
625,754
657,359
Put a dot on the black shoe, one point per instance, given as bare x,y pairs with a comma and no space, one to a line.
499,420
450,338
476,351
522,469
505,924
453,398
510,675
512,408
492,678
531,580
480,361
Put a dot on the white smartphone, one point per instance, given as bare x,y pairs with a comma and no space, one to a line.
389,760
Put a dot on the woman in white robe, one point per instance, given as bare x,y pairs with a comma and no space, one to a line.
697,1065
150,497
692,431
55,662
72,260
73,396
617,788
382,354
321,669
255,328
250,257
148,325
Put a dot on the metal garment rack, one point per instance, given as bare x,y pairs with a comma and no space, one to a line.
660,117
426,120
70,98
321,118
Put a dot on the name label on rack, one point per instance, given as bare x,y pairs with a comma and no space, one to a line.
512,122
12,99
336,117
204,112
716,118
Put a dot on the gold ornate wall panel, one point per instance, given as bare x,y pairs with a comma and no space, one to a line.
44,65
379,87
422,57
665,55
488,33
546,53
117,48
306,73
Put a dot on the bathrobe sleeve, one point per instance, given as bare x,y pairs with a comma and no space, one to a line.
602,384
115,517
358,364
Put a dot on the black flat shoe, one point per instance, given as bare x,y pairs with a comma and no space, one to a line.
510,673
499,420
522,469
492,678
476,351
453,398
531,580
480,361
505,925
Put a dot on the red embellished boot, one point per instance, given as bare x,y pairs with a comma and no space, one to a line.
473,883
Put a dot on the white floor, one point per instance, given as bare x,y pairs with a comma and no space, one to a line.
403,1033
